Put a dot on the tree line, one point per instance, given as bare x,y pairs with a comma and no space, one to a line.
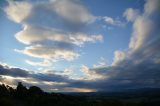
34,96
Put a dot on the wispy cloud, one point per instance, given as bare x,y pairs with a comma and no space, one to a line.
114,22
44,63
49,53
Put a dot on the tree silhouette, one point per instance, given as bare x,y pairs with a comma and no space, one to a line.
34,96
35,90
21,91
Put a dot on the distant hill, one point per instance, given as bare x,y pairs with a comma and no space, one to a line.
134,92
34,96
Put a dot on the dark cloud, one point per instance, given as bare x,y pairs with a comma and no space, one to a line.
51,77
15,72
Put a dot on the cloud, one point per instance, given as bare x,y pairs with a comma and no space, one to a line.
137,67
45,85
49,53
118,57
50,39
142,28
143,25
61,28
90,74
131,14
48,81
68,71
151,6
101,63
15,72
44,63
68,9
18,11
18,72
50,77
33,34
2,79
114,22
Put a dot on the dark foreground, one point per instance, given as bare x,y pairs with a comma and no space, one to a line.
34,96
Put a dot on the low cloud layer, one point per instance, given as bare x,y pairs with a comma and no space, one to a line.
15,72
49,80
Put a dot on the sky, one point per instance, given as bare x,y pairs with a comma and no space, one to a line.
80,45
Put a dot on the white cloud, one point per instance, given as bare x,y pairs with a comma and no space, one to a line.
31,34
73,11
81,38
34,32
131,14
68,71
151,6
114,22
90,74
39,51
142,24
125,73
118,57
18,11
44,63
102,63
142,27
67,9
